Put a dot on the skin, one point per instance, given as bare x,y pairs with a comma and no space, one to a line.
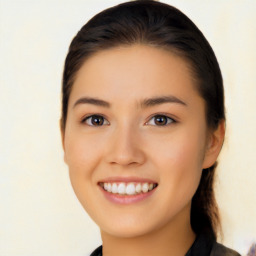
131,143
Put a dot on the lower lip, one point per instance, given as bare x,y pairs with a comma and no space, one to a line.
127,199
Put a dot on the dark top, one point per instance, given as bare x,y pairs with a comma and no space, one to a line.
204,245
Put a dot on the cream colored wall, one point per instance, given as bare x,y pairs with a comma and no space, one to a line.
39,214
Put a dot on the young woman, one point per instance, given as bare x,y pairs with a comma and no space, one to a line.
142,125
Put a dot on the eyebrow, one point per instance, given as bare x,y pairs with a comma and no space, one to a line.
93,101
161,100
149,102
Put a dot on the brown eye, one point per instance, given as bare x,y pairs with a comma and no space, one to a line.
161,120
94,120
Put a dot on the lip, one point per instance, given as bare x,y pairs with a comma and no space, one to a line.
126,199
127,179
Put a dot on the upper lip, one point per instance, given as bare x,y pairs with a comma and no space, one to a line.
127,179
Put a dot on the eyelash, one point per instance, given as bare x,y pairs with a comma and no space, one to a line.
168,121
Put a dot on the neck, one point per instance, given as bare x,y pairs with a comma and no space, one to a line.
174,238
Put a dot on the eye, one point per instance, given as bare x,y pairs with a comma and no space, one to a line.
161,120
95,120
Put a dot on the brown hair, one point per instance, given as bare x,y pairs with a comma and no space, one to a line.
160,25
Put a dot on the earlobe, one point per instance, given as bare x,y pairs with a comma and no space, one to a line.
62,132
64,158
214,145
63,146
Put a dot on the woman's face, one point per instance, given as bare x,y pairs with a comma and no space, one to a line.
135,117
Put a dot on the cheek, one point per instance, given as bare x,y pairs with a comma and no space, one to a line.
181,149
81,156
180,163
81,152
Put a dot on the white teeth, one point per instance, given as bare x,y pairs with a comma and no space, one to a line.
138,188
131,188
145,187
121,189
114,188
109,187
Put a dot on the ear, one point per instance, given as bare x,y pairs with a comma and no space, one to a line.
214,145
62,132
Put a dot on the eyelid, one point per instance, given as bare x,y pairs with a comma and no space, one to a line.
85,118
163,115
174,120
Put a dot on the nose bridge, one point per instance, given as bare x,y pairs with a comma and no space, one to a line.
125,147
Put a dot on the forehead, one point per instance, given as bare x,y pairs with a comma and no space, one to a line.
131,72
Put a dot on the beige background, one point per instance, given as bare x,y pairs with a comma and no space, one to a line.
39,213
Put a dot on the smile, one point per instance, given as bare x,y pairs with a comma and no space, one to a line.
131,188
125,191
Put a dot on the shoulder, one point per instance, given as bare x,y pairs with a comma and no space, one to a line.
221,250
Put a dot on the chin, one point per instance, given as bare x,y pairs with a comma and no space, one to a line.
124,234
126,231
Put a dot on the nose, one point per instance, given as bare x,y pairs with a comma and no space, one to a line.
125,147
